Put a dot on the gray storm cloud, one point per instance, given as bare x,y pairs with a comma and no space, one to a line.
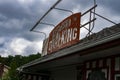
17,17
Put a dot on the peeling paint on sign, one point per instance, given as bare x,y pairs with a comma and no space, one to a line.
65,34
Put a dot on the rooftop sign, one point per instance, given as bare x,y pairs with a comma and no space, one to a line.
65,34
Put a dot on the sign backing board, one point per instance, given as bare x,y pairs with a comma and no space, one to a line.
65,34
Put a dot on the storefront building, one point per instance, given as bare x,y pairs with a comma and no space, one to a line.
96,57
66,56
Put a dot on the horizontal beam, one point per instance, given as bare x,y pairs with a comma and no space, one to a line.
89,10
40,32
104,18
47,24
87,23
64,10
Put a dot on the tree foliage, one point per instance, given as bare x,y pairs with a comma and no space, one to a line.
16,61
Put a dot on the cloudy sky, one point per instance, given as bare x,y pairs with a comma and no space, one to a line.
17,17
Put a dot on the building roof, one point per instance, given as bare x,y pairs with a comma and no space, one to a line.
5,66
105,35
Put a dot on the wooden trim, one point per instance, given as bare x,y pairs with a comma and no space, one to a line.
97,63
84,69
117,65
112,68
86,51
117,72
100,47
116,75
104,62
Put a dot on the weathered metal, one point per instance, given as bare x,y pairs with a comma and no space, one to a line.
65,34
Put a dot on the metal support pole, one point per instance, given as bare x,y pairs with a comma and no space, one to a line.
88,10
104,18
41,32
64,10
89,24
93,23
88,29
94,2
94,16
45,14
47,24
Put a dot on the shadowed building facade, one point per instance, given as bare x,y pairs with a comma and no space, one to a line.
96,57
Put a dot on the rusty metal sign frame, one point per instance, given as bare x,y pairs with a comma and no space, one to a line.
91,23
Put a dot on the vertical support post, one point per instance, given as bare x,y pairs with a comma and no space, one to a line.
89,24
93,15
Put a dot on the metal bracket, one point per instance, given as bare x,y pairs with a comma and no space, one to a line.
64,10
47,24
91,21
45,15
40,32
104,18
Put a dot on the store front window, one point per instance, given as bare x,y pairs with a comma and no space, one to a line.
117,77
96,74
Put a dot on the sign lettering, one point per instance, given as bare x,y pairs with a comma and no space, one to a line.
65,34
